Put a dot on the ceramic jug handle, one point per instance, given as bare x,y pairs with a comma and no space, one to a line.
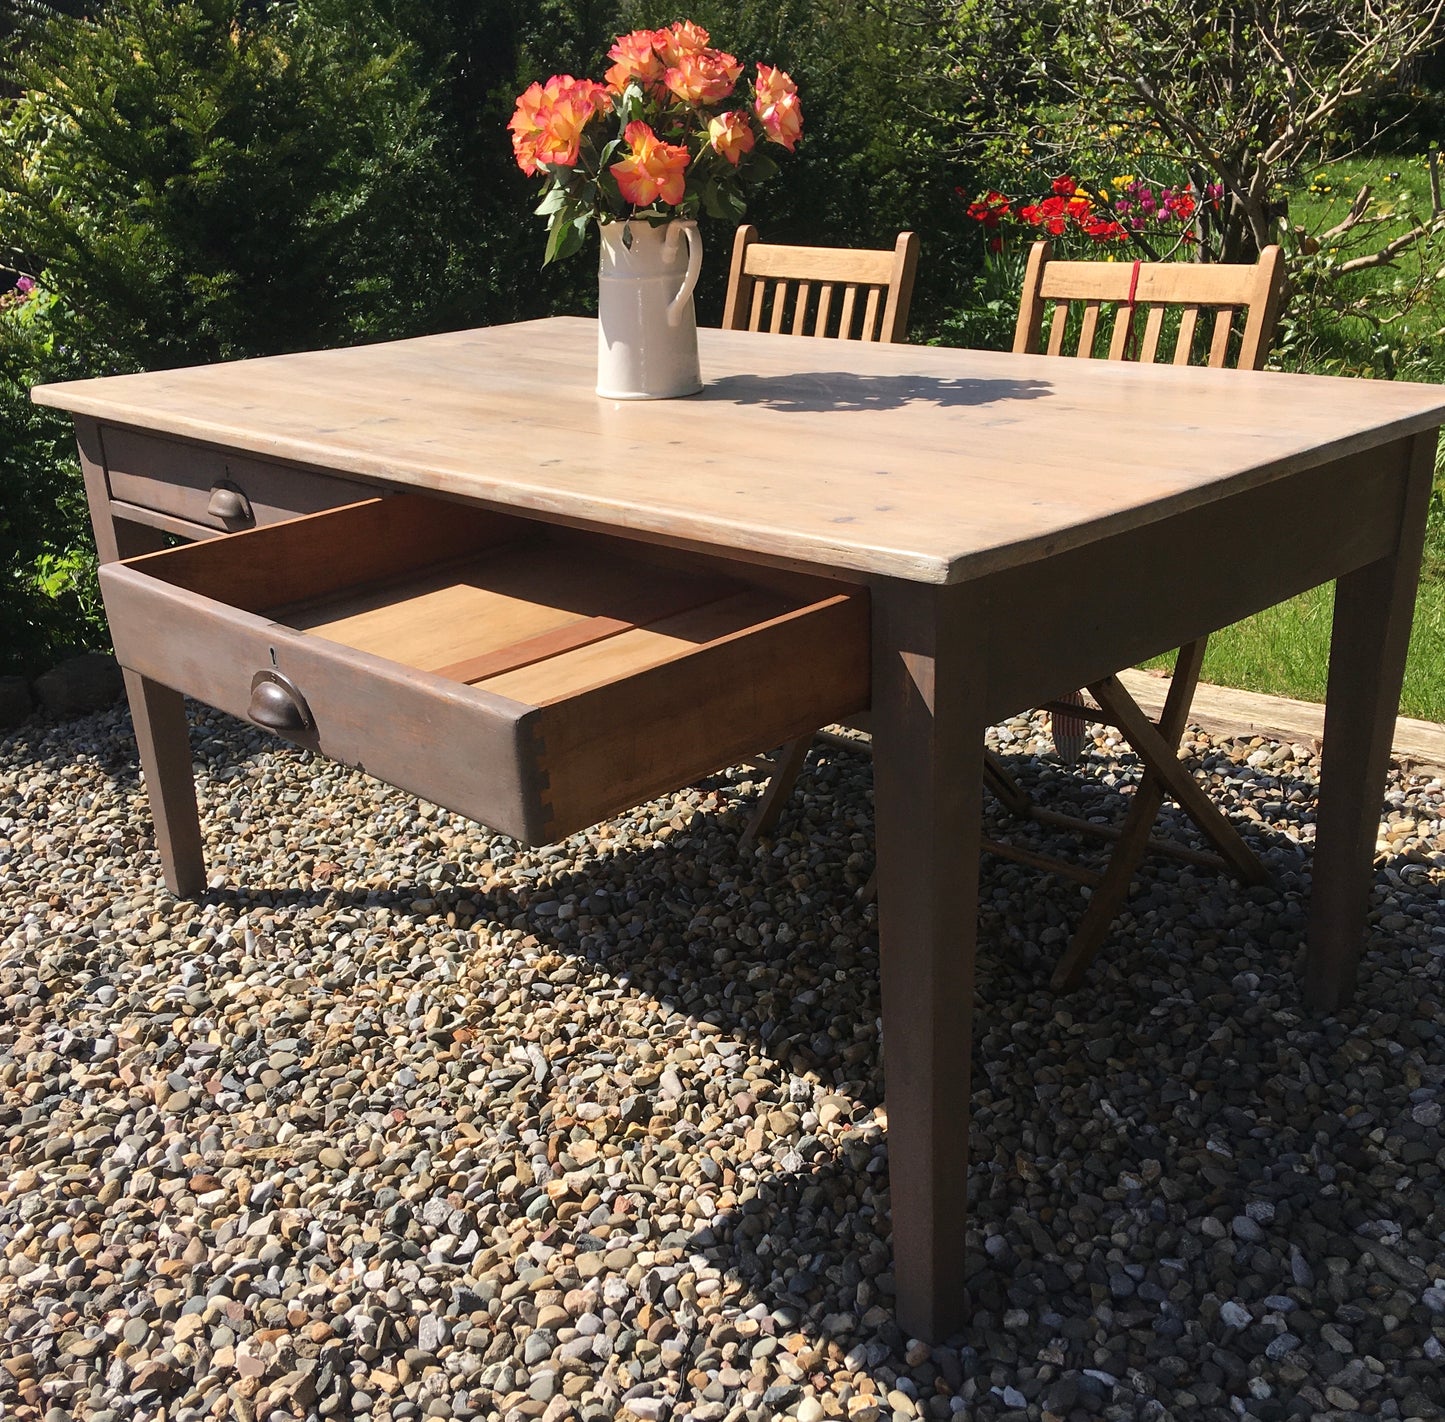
679,303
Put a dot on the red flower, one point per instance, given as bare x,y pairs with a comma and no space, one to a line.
1064,186
990,209
1052,214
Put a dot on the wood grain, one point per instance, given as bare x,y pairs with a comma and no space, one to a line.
929,683
177,479
796,286
928,464
567,721
1368,643
1140,292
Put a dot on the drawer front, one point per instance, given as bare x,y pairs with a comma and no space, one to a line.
614,746
227,492
536,680
438,739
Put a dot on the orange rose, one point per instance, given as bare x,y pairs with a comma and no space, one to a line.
676,41
776,103
655,170
635,57
731,135
574,103
548,121
703,78
528,125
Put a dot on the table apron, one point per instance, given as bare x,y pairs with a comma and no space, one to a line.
1070,619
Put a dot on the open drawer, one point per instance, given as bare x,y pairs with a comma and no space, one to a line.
535,678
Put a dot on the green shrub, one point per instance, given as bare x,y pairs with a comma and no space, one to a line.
204,180
48,600
192,182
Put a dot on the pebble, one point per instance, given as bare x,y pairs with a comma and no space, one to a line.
403,1120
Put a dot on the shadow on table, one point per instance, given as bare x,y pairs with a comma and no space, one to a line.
835,390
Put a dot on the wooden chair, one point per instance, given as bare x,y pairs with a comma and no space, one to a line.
847,293
1122,307
814,291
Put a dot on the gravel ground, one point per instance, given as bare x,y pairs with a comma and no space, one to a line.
403,1120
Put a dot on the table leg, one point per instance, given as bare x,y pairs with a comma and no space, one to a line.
928,776
157,713
1371,634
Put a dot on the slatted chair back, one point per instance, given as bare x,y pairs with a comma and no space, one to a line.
1136,296
842,292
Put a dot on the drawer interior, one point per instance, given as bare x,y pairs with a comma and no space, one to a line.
510,606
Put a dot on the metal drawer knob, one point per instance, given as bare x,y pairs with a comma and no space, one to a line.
230,505
278,705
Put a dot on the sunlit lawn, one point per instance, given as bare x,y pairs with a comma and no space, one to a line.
1285,650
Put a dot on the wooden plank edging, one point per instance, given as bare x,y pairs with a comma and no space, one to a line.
1222,709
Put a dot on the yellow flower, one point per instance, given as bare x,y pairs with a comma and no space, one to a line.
1123,180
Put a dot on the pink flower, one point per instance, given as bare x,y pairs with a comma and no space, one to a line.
635,56
776,103
703,78
677,41
548,121
528,125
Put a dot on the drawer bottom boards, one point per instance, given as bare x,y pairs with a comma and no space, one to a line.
537,679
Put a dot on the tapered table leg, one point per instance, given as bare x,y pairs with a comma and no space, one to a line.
1371,634
163,738
157,713
928,765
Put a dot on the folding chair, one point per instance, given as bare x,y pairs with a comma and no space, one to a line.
1122,312
1120,309
844,293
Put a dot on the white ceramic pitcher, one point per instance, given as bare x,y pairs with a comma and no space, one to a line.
646,328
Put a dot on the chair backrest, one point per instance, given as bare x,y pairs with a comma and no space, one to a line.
1254,291
797,289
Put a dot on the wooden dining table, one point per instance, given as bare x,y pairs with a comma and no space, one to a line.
967,534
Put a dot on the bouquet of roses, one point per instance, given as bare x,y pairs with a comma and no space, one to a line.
667,135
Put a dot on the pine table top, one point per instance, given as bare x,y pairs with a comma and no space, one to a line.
924,463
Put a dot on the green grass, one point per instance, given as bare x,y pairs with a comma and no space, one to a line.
1400,331
1284,650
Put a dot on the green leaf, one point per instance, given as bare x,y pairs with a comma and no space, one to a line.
558,233
761,167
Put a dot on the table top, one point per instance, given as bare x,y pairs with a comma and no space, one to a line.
926,463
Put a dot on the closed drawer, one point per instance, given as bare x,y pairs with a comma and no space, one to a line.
217,490
537,679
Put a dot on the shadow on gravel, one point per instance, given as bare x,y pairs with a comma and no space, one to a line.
684,961
103,737
1180,1185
